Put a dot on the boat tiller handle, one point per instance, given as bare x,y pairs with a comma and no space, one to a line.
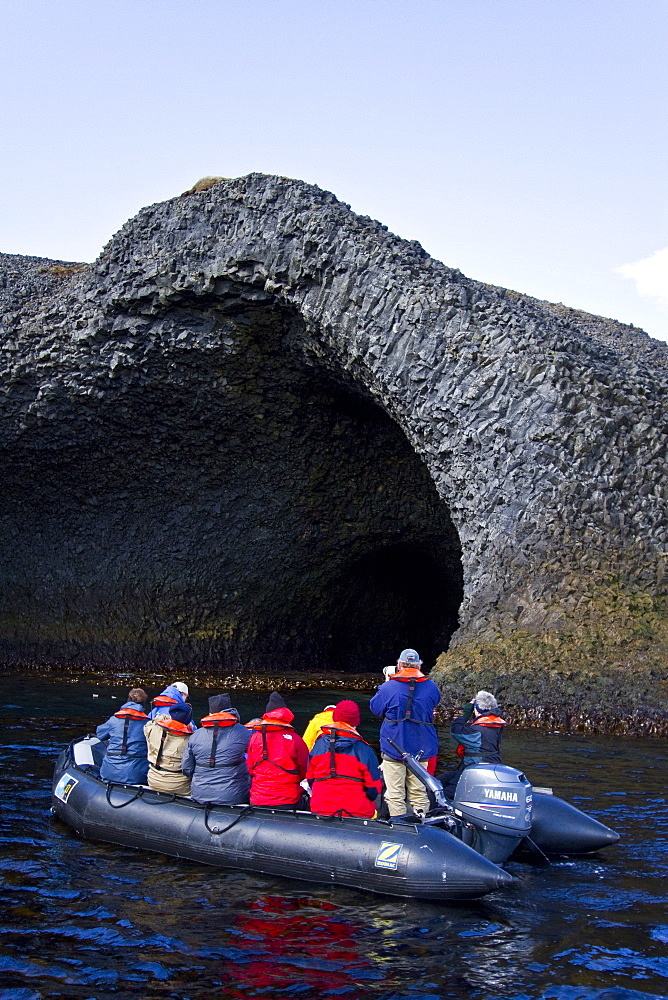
431,783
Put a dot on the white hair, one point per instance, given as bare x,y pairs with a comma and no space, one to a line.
484,701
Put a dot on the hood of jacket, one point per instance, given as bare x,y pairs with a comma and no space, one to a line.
278,715
172,692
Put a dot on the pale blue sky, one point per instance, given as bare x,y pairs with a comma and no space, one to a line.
522,141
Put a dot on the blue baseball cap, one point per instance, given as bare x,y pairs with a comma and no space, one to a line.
409,656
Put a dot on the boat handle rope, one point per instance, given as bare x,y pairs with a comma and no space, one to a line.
161,802
127,802
215,830
169,797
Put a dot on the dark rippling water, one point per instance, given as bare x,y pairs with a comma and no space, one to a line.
92,920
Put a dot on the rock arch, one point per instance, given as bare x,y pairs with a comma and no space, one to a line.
260,324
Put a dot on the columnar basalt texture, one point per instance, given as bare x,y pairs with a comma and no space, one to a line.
260,429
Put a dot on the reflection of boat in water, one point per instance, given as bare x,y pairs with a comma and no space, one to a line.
427,859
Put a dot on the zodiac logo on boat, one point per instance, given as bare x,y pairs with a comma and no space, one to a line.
65,786
388,855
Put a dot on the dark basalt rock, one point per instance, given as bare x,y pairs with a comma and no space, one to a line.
261,431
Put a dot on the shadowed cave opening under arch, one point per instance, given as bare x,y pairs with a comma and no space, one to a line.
248,506
394,597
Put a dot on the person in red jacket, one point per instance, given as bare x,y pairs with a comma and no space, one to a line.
343,769
277,758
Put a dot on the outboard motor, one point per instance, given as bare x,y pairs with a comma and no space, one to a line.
494,802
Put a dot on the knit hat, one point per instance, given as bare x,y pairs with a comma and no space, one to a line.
181,713
347,711
219,703
275,701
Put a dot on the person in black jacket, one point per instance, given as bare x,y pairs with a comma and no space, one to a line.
477,733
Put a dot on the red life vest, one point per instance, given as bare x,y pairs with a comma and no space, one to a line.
129,714
331,731
272,727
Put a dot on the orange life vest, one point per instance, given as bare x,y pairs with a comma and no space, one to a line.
411,675
164,701
488,721
219,719
493,721
129,714
331,731
216,721
176,729
408,672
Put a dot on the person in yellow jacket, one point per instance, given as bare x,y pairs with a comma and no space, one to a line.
166,737
312,731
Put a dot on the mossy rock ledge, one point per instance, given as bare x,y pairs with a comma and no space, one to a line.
262,434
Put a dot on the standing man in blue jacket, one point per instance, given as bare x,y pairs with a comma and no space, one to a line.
406,703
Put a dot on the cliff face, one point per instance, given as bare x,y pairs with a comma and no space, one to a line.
260,429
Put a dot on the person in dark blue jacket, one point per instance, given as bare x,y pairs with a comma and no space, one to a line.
406,704
173,694
215,756
126,759
477,733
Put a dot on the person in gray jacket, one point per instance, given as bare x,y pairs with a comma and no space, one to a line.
214,758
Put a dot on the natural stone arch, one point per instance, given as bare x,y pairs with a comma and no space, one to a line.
238,502
540,427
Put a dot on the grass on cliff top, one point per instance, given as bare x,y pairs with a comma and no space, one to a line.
607,673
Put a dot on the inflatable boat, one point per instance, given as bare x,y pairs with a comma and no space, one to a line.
398,859
454,852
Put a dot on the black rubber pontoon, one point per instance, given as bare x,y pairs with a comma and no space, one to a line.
557,827
396,859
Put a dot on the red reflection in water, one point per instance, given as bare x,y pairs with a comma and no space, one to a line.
295,939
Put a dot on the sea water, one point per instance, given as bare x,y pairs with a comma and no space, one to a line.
92,920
